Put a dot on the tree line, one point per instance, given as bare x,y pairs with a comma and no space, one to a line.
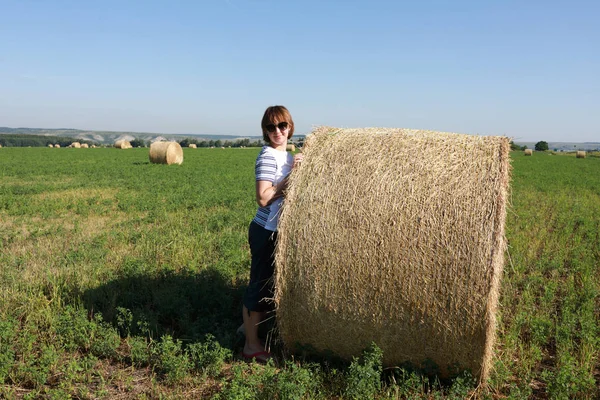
539,146
25,140
37,140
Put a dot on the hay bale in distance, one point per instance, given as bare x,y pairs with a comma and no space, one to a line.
290,147
85,146
51,145
192,146
123,144
580,154
57,146
76,145
395,236
166,153
528,152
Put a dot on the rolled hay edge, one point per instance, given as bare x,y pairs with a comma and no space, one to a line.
403,256
165,153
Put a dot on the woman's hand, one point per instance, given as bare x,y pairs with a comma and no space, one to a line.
297,159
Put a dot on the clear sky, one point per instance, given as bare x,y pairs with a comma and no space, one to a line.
527,69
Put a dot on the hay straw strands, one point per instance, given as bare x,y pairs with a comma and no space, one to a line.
580,154
192,146
76,145
290,147
528,152
123,144
166,153
395,236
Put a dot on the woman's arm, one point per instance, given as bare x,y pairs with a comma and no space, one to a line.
266,192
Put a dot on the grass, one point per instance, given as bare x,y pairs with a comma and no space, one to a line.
121,278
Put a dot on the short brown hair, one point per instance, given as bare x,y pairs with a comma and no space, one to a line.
274,115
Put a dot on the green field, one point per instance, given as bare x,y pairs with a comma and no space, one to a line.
123,279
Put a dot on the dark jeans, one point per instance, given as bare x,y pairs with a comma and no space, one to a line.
259,293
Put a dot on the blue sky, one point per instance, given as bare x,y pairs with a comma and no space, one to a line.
525,69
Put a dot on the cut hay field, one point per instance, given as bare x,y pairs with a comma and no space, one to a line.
123,279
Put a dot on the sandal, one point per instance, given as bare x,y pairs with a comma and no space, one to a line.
260,356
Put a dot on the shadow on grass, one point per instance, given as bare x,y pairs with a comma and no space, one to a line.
184,306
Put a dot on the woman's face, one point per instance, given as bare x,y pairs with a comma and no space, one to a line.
278,132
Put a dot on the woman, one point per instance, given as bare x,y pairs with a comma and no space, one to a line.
272,167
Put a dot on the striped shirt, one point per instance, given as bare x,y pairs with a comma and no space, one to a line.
271,166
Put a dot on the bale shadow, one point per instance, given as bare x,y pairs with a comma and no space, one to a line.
187,307
141,162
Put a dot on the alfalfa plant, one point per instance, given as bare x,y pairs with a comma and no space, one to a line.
209,356
78,332
294,382
169,359
8,332
363,378
266,382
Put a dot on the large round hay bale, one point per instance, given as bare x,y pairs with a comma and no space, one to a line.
123,144
85,146
166,153
51,145
580,154
290,147
394,236
192,146
76,145
528,152
57,146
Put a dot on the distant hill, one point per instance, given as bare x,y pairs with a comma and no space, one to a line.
109,137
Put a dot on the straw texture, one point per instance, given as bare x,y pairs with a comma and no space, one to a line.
580,154
166,153
395,236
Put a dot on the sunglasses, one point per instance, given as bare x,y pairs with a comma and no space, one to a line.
282,127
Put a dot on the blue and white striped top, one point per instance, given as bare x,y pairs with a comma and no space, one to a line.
272,166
